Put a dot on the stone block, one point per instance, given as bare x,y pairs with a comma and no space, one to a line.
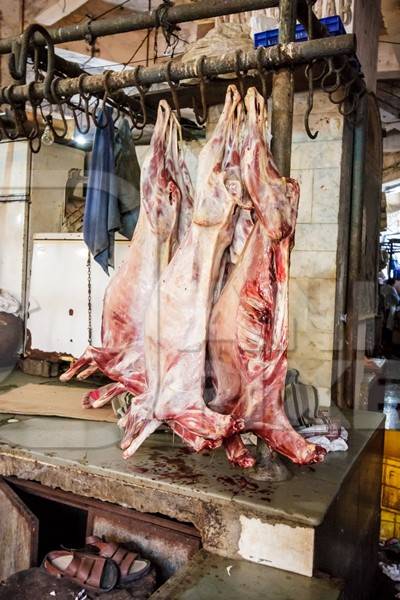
322,104
314,371
328,125
320,265
316,237
326,187
311,344
312,304
305,179
317,155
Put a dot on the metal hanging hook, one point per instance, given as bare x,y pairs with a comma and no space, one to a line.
107,92
240,73
142,93
85,98
15,107
310,102
201,116
115,121
173,88
58,101
34,134
18,60
261,71
309,74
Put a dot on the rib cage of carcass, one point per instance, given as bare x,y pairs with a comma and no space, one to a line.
205,289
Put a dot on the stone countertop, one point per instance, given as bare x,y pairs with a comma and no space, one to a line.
73,455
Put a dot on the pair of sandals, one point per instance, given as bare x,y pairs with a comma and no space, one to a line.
100,567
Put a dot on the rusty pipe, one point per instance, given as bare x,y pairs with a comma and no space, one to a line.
181,13
272,58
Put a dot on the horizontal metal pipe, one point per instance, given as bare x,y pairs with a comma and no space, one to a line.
146,20
271,58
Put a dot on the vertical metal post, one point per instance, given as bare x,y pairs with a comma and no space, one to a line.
354,254
283,94
269,467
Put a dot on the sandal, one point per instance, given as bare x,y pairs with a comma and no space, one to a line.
132,566
93,572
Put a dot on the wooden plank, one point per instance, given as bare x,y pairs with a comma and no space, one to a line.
19,531
85,503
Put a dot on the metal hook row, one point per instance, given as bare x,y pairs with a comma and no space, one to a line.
334,81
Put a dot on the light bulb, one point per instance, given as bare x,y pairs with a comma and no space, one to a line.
81,140
47,136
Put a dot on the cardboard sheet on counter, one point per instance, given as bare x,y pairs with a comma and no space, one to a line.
52,401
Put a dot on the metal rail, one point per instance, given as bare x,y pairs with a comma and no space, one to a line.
172,15
271,58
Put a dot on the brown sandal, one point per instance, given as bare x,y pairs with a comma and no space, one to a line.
89,570
131,565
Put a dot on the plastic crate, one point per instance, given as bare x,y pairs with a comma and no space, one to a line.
334,26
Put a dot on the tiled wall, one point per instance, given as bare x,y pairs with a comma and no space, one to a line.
316,164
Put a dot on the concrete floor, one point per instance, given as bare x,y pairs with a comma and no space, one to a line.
209,577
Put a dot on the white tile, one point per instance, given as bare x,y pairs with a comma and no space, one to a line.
277,545
305,179
328,126
316,237
316,154
325,204
312,304
321,265
322,104
311,344
314,371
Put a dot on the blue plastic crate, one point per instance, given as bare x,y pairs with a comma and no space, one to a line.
334,26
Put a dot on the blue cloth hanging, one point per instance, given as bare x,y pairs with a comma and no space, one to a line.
102,215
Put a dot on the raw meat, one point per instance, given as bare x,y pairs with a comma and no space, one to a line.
249,323
177,318
165,184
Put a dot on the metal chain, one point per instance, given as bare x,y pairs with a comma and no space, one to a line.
89,290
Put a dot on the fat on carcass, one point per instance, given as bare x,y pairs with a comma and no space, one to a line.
178,315
249,323
165,187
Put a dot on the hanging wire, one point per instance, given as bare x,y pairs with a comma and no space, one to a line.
130,60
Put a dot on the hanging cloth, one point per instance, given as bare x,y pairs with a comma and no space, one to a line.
102,215
127,170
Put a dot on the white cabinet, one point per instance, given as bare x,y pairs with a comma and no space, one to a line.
58,300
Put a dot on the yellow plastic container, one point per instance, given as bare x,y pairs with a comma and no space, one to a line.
390,502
